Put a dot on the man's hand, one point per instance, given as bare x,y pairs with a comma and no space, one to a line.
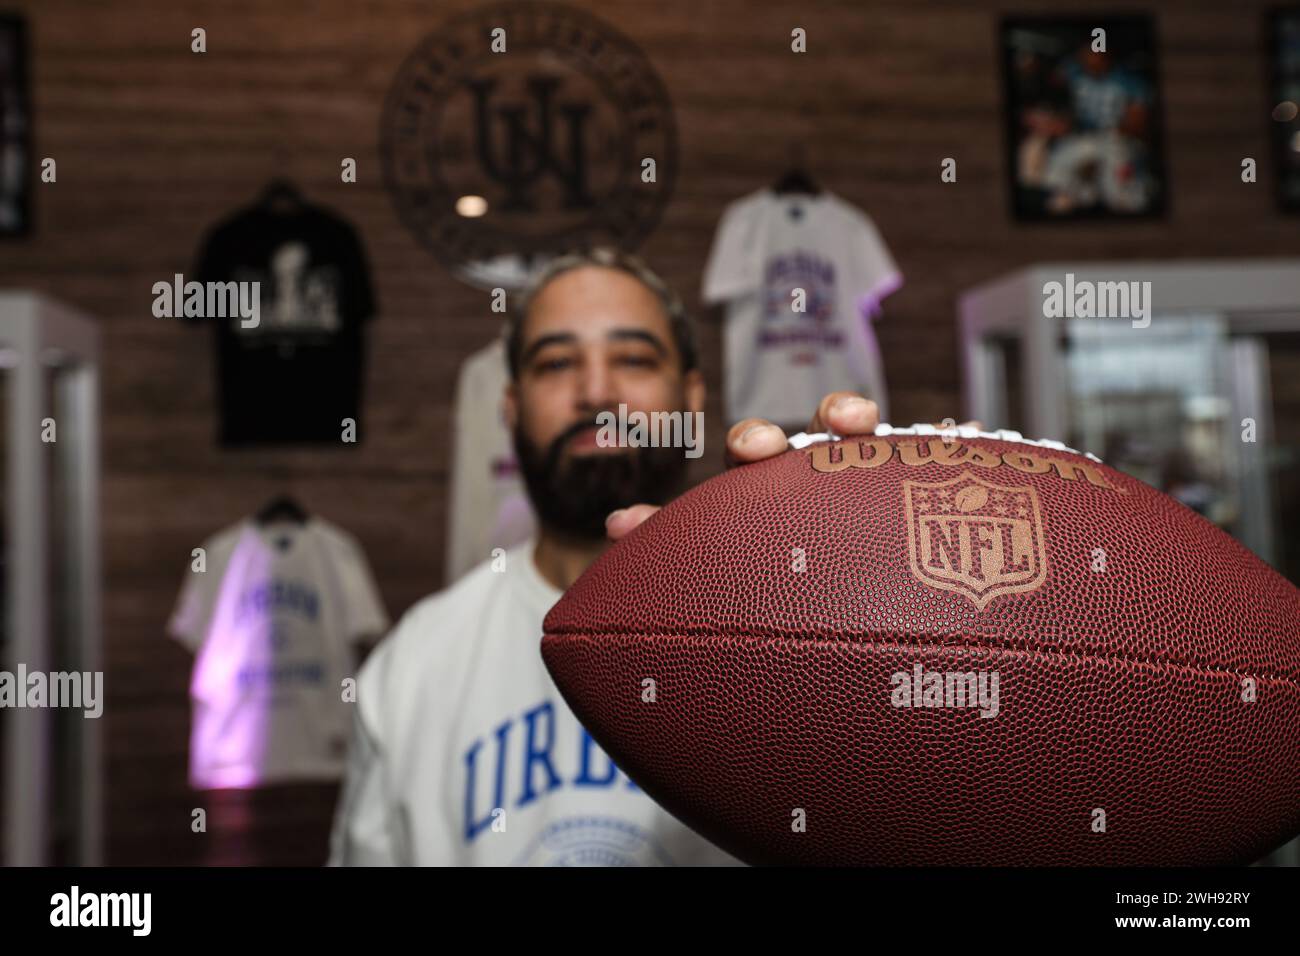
754,439
843,413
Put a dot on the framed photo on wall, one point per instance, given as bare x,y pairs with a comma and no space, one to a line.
1284,93
1083,118
15,129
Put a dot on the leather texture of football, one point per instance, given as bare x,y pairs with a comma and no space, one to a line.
911,648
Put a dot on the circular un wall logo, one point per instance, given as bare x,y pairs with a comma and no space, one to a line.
499,160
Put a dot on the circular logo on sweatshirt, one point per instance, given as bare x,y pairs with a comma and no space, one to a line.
594,841
523,130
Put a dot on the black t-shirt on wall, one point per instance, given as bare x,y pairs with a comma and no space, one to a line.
296,375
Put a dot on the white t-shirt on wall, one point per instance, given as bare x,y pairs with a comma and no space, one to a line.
272,623
780,362
487,504
464,752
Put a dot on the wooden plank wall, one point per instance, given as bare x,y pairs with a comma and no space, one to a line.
154,144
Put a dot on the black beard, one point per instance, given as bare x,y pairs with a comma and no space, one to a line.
573,497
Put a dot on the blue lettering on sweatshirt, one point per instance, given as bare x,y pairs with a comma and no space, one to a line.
526,765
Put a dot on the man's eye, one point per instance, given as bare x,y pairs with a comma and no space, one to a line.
639,361
553,364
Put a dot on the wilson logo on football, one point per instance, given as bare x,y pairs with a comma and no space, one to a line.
874,452
976,538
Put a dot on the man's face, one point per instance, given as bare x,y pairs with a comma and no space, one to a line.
595,338
1096,63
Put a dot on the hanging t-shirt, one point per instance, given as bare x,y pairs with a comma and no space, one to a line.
464,753
782,356
296,375
487,505
272,621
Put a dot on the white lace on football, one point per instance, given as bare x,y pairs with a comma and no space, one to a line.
803,439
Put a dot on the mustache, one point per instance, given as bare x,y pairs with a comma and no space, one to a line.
575,494
557,445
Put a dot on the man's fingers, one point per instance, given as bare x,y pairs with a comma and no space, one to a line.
845,413
753,440
620,522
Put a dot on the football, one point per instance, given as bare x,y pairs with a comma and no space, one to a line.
927,647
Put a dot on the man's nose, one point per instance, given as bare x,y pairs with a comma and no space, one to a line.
596,386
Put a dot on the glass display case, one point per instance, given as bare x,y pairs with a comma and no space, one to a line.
51,782
1196,394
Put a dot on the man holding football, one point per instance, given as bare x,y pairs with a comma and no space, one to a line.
464,752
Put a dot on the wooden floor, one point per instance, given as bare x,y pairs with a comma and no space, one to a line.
285,825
